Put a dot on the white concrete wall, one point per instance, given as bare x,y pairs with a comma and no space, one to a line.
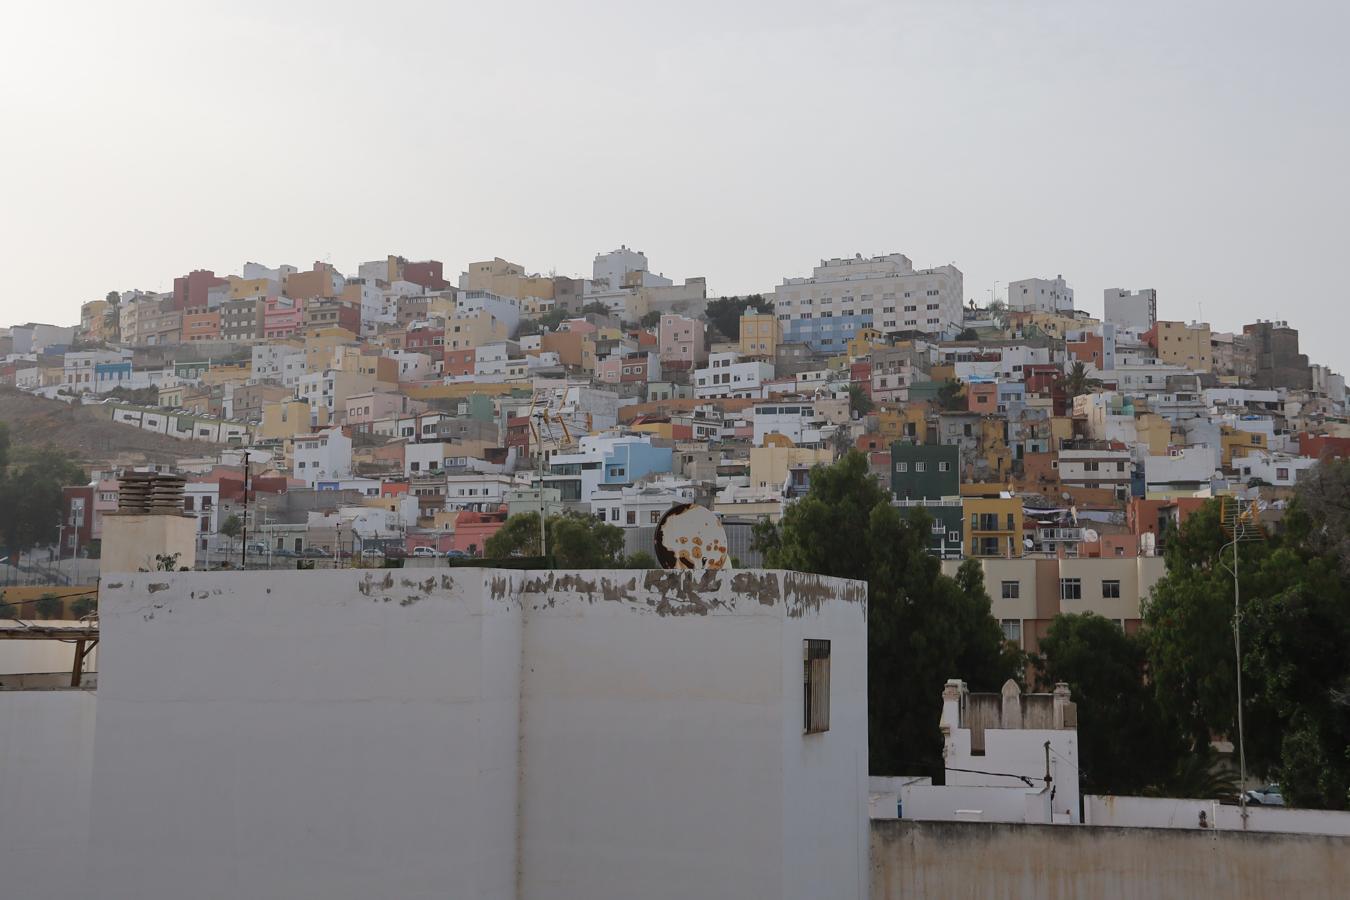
46,758
300,735
1169,812
476,733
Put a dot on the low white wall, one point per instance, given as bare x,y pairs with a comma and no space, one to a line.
956,803
1160,812
46,758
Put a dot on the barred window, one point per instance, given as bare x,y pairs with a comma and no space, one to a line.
816,686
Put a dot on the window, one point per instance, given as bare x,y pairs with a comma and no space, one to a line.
944,467
920,466
1071,589
1012,631
902,467
632,517
1012,590
655,516
1111,589
816,686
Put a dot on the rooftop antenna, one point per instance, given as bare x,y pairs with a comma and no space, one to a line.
1241,522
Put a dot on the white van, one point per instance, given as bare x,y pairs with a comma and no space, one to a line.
425,552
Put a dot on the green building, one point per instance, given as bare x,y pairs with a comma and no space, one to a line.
928,477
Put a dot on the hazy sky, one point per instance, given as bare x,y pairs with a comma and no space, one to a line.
1198,148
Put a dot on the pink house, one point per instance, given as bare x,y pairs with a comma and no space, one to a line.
472,529
682,342
982,397
283,316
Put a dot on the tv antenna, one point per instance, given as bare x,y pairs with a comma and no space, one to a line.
1240,519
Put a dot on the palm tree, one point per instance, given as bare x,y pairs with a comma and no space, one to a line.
1077,380
998,311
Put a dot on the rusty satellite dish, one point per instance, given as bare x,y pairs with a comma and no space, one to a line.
689,536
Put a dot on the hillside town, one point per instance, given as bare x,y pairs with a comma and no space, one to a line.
393,412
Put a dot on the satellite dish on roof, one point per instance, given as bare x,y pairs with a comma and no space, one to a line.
691,537
1090,535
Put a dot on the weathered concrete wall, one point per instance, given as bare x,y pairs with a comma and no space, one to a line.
1062,862
46,758
476,733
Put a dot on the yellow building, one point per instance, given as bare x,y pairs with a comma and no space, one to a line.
171,397
1052,324
1154,430
283,419
760,334
1186,345
864,342
908,422
227,373
769,465
993,521
250,288
474,330
507,279
1238,443
94,321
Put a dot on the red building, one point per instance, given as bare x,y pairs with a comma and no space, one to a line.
1318,446
425,340
190,291
461,362
860,373
430,274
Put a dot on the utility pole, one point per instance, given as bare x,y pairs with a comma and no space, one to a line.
243,552
1237,655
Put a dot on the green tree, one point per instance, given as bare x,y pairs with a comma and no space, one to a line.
1077,381
83,607
232,527
31,496
595,307
858,401
1126,742
528,327
575,541
725,312
651,319
640,560
952,395
922,626
554,317
998,311
48,606
968,334
1294,611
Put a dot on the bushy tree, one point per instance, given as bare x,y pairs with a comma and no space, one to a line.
31,496
922,626
651,319
1126,742
725,312
574,541
1295,624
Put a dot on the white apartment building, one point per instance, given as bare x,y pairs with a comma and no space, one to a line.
293,367
623,268
1280,470
796,420
842,296
485,490
81,370
506,310
1041,295
269,360
726,376
323,456
1137,310
1098,467
640,505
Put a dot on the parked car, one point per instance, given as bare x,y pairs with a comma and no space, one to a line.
456,554
425,552
1265,796
372,553
395,552
314,553
256,549
283,552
